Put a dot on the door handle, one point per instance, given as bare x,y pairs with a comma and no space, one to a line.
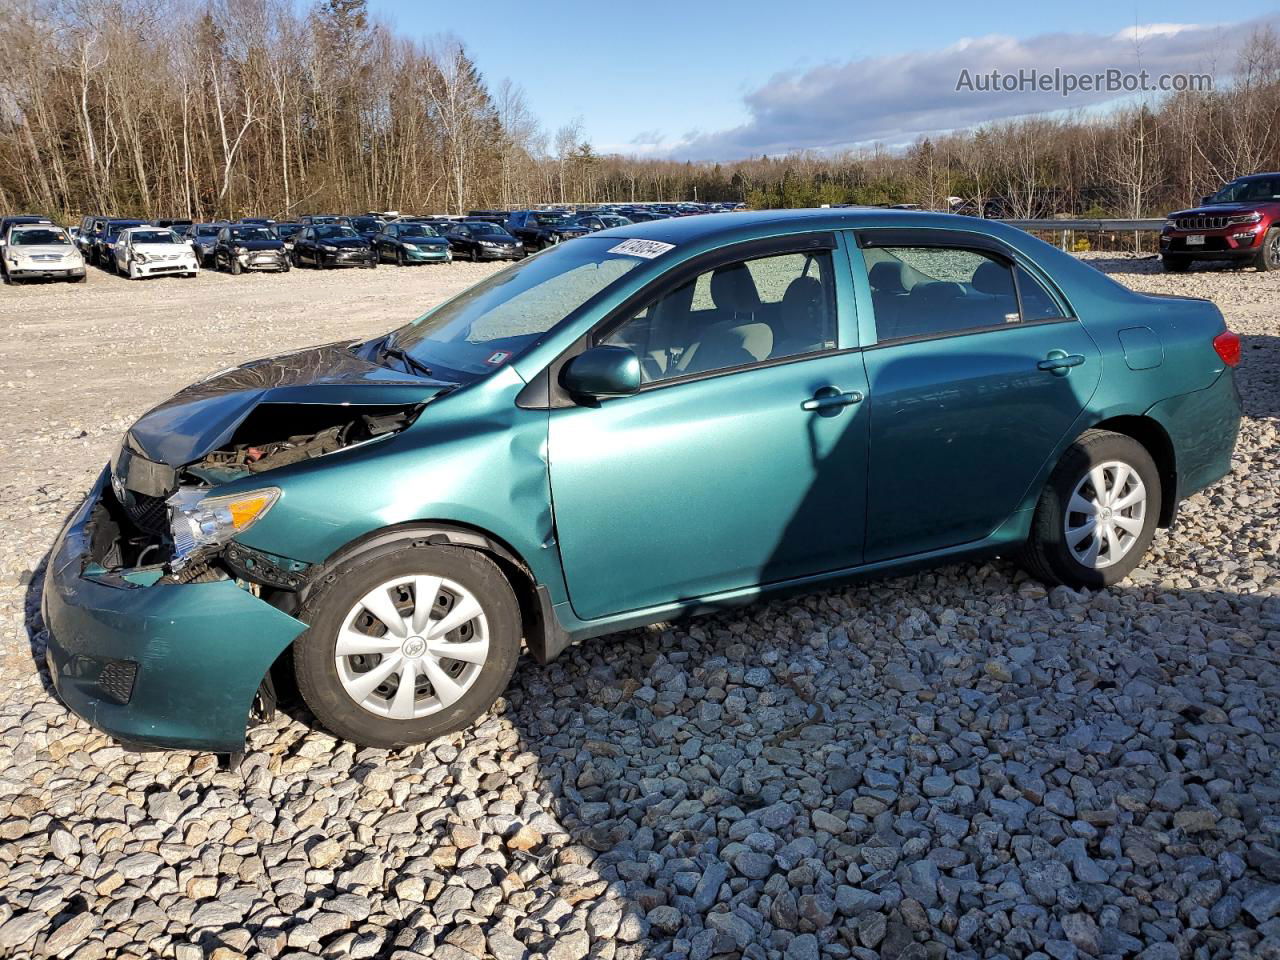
1059,362
829,398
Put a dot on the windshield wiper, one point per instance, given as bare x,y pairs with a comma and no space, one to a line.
411,363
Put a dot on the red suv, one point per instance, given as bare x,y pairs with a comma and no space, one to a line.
1241,222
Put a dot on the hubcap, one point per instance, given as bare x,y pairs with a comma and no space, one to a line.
1105,514
412,646
1273,251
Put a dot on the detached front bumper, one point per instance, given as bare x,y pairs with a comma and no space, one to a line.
158,267
150,663
264,260
501,253
428,255
348,258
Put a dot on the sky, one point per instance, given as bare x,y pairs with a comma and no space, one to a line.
711,80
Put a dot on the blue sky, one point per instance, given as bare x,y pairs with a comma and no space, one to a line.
718,80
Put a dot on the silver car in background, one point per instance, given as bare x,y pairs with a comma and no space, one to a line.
40,251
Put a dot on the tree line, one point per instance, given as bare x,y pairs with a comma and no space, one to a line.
273,107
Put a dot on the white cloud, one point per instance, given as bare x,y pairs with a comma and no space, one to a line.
893,99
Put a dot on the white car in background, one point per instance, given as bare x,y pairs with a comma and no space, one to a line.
40,251
150,251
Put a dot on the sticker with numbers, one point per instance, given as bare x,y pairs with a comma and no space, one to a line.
642,248
498,358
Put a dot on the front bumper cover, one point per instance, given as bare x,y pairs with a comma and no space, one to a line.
196,653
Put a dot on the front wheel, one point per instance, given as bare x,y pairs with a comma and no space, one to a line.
407,643
233,265
1173,264
399,258
1097,515
1268,257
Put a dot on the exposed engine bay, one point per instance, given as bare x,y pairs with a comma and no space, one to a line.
150,516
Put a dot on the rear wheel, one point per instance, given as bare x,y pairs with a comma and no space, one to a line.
1268,256
407,643
1097,515
1175,264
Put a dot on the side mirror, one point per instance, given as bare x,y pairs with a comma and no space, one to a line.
602,372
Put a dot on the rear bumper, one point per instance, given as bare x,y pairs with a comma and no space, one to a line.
1202,427
162,665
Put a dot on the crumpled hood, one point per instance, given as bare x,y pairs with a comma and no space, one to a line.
203,416
163,249
258,244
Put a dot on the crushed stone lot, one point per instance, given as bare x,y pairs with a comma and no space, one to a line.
954,763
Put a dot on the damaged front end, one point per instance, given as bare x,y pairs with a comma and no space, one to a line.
172,521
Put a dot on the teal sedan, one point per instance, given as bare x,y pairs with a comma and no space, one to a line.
656,420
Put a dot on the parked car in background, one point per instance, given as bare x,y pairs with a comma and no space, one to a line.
40,251
600,221
1240,223
249,246
148,251
258,221
104,244
203,237
492,216
482,240
166,222
7,222
287,232
538,229
987,394
367,227
407,243
315,219
90,228
332,245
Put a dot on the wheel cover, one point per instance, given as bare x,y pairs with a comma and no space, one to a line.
412,646
1273,251
1105,514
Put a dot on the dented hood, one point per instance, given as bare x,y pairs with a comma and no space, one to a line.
203,416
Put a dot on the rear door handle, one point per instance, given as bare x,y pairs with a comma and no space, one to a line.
829,398
1059,362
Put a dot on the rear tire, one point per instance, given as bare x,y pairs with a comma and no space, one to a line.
389,578
1268,256
1064,547
1175,264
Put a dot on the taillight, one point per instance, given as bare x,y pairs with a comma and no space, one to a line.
1227,344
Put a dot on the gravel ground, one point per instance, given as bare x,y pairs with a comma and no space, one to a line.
956,763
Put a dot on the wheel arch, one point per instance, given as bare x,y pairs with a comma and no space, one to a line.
1158,444
542,631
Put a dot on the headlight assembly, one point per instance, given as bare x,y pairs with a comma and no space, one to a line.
328,249
197,520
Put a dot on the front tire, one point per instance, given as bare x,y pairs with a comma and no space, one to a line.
1175,264
233,265
1097,515
396,614
1268,256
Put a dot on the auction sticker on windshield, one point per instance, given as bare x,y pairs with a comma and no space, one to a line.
642,248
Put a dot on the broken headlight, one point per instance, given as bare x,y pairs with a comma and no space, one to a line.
199,521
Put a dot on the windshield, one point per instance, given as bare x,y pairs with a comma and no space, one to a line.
252,233
207,230
33,238
331,232
113,229
153,236
287,229
1246,190
549,220
499,318
366,223
488,230
614,221
415,230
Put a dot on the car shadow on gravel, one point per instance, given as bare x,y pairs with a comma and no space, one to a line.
1150,264
959,759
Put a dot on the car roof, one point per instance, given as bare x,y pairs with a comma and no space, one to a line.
683,230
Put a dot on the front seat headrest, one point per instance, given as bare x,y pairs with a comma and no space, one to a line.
732,289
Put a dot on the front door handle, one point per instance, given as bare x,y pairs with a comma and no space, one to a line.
1059,362
829,398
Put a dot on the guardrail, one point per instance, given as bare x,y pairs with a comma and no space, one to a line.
1095,226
